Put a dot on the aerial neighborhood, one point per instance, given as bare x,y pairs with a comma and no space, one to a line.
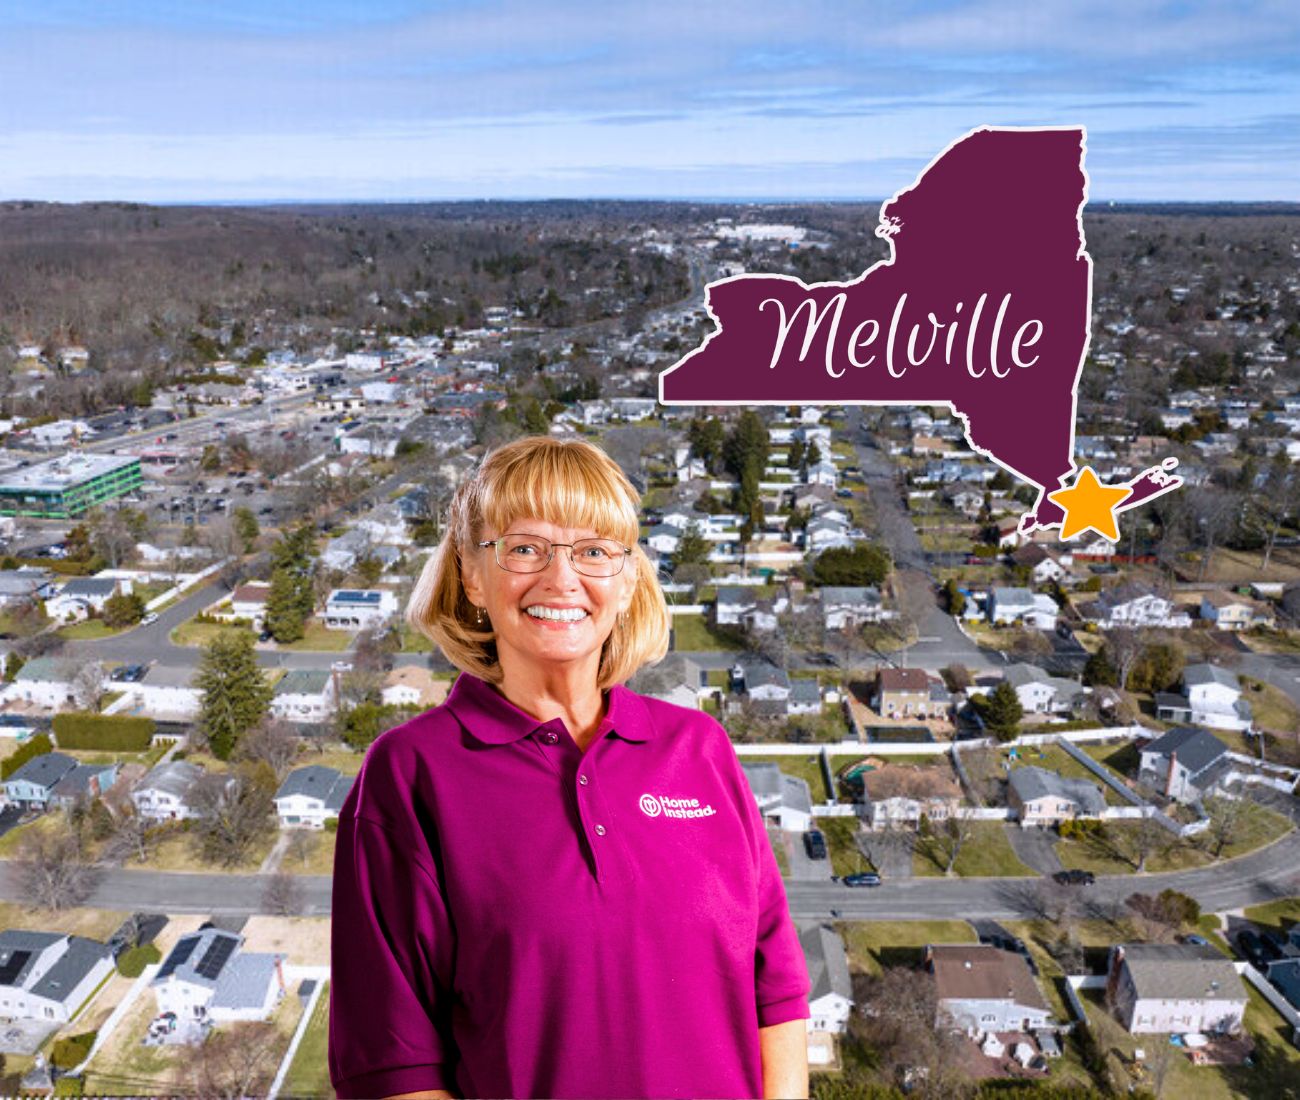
1034,798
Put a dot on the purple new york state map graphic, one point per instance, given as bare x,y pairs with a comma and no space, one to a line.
984,304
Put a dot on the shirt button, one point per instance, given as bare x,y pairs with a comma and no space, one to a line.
582,779
551,737
600,830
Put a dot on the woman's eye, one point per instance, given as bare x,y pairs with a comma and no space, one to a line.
595,552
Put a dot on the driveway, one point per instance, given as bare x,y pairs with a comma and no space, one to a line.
1034,847
803,869
890,852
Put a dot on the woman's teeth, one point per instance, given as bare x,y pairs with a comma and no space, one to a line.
557,614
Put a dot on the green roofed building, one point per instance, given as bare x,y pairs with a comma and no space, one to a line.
67,486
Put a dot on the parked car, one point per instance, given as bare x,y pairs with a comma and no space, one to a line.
1274,946
1196,941
814,843
1074,877
1010,943
866,878
152,617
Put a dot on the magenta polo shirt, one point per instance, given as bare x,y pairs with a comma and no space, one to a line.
513,917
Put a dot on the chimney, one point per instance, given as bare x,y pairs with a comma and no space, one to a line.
279,973
1169,779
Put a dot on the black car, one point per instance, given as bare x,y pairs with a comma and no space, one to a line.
1248,943
1074,877
1007,942
814,843
866,878
1274,946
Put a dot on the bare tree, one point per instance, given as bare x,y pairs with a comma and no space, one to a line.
236,1062
1138,841
1125,647
1228,818
52,871
134,837
901,1024
302,845
283,895
233,812
274,742
89,685
944,841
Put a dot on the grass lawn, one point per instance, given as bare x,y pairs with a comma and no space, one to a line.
88,631
46,823
846,858
193,633
775,839
414,642
318,638
1280,914
691,633
308,1075
337,756
95,924
1123,760
876,943
805,767
177,853
1056,759
987,854
1271,706
320,855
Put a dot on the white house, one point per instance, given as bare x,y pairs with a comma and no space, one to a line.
785,799
898,796
1019,605
83,595
310,795
983,988
162,794
831,999
304,695
43,682
1211,697
1159,988
166,691
1134,605
1231,612
47,975
1040,693
359,608
411,686
1184,763
206,978
851,606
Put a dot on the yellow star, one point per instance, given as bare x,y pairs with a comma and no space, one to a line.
1089,504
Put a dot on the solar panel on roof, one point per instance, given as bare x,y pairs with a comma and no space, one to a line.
180,953
215,957
13,966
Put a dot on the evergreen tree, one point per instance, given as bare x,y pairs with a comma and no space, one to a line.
284,618
123,609
1003,712
692,548
246,527
796,455
1099,672
956,599
813,454
705,436
746,447
235,694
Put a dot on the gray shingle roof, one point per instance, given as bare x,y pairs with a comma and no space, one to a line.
1196,748
81,957
1181,971
303,681
44,770
243,982
184,961
19,939
175,777
1207,673
828,965
89,586
317,781
1034,782
768,781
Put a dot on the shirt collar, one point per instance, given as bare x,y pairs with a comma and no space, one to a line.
494,720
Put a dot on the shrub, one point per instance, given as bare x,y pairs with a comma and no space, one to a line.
331,824
37,746
69,1052
106,732
131,963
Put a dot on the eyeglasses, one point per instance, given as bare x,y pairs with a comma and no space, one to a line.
532,554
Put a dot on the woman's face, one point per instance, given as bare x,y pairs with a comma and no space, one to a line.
588,607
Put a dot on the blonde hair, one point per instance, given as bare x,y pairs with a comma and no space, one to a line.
571,484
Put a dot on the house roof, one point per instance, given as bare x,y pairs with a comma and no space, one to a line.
250,593
199,957
18,950
51,670
89,586
77,781
71,968
1013,595
317,781
1196,748
356,597
1181,971
904,679
244,981
303,681
1207,673
833,594
1033,782
909,781
760,673
805,691
44,770
978,972
768,781
828,965
174,777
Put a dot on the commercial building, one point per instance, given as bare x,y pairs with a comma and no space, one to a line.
67,486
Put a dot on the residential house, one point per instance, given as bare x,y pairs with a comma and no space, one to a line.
1044,565
899,795
206,978
248,601
1228,611
1020,605
359,609
805,697
310,795
1211,697
166,691
24,586
1184,763
1042,797
831,997
1040,693
412,686
982,988
851,606
32,785
1134,605
767,686
1174,987
902,693
81,784
783,800
676,679
83,596
304,695
1284,973
47,976
163,794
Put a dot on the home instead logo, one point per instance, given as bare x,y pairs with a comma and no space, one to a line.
663,806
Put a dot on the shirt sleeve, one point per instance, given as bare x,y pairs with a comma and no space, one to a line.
390,962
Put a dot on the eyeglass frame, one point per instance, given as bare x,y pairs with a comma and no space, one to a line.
627,552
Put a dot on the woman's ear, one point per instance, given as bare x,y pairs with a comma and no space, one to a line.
471,579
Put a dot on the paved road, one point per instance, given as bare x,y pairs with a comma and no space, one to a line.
1271,873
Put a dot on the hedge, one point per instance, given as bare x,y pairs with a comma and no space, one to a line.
37,746
110,732
131,963
70,1052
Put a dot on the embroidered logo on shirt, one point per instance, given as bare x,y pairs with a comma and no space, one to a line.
656,805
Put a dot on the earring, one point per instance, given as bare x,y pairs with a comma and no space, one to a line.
478,615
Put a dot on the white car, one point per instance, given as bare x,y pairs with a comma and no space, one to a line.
152,617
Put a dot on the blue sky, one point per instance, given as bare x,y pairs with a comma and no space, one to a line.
395,99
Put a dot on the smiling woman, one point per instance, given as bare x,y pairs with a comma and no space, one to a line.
622,929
